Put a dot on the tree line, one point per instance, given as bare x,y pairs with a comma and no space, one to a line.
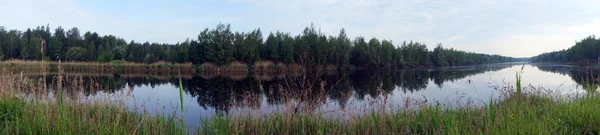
584,52
222,46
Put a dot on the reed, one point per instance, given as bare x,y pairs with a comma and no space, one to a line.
160,67
25,109
181,101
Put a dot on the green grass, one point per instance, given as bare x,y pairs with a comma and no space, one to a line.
182,122
38,114
19,116
528,115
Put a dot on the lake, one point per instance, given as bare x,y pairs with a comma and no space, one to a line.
207,95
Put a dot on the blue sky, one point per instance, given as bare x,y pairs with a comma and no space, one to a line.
516,28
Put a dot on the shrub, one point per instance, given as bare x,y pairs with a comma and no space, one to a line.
106,57
76,53
117,64
150,58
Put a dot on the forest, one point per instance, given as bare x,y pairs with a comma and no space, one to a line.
584,52
221,46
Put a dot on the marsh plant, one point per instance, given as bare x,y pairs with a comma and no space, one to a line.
27,108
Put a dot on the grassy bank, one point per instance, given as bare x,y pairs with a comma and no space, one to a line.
27,106
528,115
19,116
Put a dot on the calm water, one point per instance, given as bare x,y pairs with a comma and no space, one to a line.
209,95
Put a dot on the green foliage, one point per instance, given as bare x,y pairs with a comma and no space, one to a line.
439,56
531,115
387,50
10,109
56,43
222,46
76,53
359,53
415,54
10,43
30,45
271,48
584,52
372,53
1,54
342,48
519,87
20,117
150,58
106,57
181,101
116,64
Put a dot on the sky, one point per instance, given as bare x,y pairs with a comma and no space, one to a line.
517,28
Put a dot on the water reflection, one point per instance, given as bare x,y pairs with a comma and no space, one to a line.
219,92
579,74
215,93
585,76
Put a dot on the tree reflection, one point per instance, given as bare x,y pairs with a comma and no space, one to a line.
221,92
588,77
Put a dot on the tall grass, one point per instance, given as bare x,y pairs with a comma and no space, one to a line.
529,115
181,102
160,67
25,109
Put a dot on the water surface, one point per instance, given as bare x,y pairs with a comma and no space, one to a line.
209,95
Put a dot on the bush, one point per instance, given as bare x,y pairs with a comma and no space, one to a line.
106,57
150,58
76,53
117,64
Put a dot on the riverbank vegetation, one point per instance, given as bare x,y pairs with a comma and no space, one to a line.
28,106
222,46
526,115
519,110
584,52
116,66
